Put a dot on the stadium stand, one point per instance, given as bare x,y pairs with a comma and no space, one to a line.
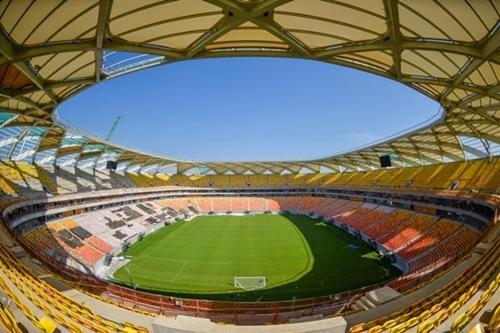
408,231
387,224
26,180
239,205
444,250
58,306
343,208
365,215
308,204
435,309
89,238
435,210
221,205
425,242
257,204
273,205
205,204
438,232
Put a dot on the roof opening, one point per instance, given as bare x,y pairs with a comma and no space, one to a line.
237,109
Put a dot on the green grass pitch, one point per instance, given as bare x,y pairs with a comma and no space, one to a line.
301,257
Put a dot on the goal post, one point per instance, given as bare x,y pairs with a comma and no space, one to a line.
250,282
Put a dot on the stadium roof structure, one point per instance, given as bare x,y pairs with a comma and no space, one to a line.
445,49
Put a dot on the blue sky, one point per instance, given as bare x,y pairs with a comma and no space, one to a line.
248,109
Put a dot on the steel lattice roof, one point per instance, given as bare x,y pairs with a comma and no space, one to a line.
445,49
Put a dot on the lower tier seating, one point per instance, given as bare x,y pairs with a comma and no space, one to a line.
62,310
408,231
423,242
89,238
437,232
445,249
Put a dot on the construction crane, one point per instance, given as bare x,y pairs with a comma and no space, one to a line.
113,128
111,164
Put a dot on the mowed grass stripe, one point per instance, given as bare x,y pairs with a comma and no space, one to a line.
300,256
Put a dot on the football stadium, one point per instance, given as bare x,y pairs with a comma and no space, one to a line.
398,235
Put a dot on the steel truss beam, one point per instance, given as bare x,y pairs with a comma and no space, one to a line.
101,33
415,148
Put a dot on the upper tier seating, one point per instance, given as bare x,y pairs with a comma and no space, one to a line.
23,179
20,179
476,174
143,180
28,180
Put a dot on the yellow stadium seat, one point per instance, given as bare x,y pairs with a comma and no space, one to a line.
485,297
399,328
425,315
463,299
495,319
390,323
376,329
47,324
402,318
437,307
474,309
8,320
107,323
473,289
426,327
358,328
74,328
493,285
477,329
128,330
413,322
460,322
453,307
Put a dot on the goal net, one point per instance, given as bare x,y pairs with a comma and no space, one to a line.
250,282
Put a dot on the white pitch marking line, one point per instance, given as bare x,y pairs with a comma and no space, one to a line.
180,270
